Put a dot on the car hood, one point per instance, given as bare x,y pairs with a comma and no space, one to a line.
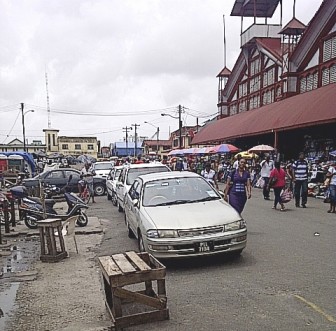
192,215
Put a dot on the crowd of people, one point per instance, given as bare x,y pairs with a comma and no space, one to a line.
286,179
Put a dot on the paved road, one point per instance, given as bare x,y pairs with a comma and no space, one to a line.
284,280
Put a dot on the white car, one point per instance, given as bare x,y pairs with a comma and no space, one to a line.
111,183
179,214
102,168
129,173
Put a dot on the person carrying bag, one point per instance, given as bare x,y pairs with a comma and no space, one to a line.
277,182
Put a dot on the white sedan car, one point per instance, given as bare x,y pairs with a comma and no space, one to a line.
179,214
111,182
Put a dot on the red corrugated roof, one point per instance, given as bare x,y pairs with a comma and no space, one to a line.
293,27
225,72
159,142
273,45
303,110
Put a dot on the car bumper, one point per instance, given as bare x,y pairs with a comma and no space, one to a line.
196,246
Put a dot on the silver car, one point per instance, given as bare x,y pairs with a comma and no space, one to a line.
179,214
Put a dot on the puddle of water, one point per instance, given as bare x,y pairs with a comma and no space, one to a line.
7,301
11,260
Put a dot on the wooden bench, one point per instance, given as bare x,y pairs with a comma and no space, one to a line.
121,270
51,251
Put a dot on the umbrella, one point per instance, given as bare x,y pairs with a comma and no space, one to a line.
176,152
261,148
224,148
86,158
192,150
203,150
333,153
246,155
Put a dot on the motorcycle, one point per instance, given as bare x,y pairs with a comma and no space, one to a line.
32,209
4,207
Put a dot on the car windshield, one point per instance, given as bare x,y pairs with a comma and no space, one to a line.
133,173
103,166
177,191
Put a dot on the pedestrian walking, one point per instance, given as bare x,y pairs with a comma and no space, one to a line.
331,177
238,187
278,177
179,166
300,179
266,166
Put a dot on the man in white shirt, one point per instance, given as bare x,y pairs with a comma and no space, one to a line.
209,175
266,166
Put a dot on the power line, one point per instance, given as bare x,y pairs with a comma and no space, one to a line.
10,131
101,114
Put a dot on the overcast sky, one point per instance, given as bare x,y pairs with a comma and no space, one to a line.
131,59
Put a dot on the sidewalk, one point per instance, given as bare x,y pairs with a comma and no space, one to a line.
50,296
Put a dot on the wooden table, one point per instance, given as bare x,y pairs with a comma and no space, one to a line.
52,250
129,268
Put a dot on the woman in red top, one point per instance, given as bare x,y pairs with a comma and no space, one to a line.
280,183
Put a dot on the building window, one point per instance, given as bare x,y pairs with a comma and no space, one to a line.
255,67
333,74
329,49
90,147
78,146
255,84
325,76
65,146
303,85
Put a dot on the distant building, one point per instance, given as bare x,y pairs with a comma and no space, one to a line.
123,149
70,145
16,145
158,147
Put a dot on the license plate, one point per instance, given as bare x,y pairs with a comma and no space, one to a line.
204,247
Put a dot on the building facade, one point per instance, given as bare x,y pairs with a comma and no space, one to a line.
16,145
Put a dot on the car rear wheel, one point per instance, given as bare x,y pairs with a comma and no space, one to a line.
114,199
99,189
120,209
129,231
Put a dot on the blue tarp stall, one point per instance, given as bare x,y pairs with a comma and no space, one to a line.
119,149
28,158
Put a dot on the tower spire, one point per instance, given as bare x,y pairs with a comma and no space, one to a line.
224,41
48,105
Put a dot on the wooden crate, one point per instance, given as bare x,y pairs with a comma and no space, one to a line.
130,268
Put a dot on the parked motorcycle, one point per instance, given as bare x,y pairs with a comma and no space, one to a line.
4,206
32,210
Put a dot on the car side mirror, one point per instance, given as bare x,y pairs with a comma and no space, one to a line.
221,193
135,203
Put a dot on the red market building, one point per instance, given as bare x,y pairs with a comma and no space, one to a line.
281,90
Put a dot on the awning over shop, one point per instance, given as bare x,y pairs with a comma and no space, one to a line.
303,110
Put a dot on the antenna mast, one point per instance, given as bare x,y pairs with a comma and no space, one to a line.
48,105
224,42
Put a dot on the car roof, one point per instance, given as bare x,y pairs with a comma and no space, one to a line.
103,162
168,175
145,165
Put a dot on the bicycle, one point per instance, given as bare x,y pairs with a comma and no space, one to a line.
84,192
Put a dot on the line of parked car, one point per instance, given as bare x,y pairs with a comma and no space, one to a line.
174,214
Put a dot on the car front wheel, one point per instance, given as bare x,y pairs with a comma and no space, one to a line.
99,189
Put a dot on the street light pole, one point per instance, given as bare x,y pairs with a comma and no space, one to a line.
157,136
23,125
180,123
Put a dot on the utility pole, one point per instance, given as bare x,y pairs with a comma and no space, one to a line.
180,126
126,129
23,128
135,139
